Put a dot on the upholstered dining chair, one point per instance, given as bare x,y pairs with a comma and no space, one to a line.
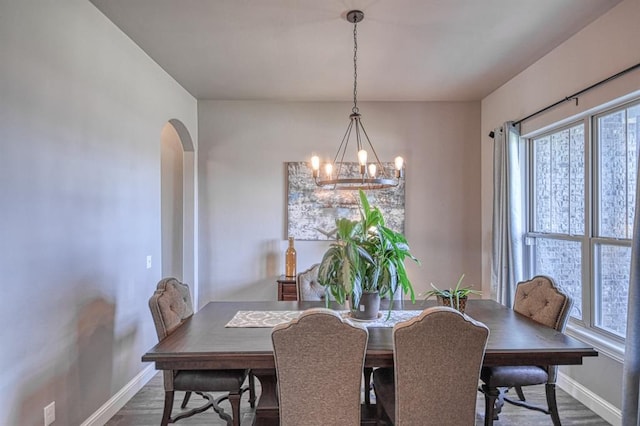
542,301
310,289
319,359
308,286
437,358
170,306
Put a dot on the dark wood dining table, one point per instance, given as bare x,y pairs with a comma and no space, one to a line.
203,342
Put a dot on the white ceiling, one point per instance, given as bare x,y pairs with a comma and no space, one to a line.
436,50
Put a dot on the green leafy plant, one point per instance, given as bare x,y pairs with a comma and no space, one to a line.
367,256
452,294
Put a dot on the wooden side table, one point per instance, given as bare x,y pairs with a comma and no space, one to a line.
287,288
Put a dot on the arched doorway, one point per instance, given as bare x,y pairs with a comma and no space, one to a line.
178,205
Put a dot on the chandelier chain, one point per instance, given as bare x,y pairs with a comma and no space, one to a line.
355,68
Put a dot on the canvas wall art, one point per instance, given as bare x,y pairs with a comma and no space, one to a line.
312,211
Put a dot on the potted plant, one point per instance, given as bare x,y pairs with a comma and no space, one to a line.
365,262
453,297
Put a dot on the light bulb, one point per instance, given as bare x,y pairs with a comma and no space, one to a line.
399,163
315,162
372,170
362,157
328,168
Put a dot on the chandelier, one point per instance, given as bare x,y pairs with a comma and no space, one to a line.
370,174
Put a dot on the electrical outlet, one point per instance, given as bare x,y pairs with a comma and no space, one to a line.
149,262
50,414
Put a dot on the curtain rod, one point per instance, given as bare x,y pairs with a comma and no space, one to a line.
575,95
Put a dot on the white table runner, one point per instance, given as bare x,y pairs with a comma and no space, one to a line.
255,319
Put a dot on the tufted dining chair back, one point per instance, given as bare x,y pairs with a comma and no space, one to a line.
170,306
308,286
542,301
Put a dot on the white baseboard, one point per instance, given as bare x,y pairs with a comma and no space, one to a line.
117,401
592,401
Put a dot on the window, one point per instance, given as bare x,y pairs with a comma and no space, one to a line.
581,199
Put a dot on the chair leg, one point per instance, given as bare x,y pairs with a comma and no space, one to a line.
367,385
520,393
168,406
381,416
490,396
234,400
550,390
204,407
185,401
252,390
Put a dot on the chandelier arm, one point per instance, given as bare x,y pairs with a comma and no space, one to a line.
363,167
343,146
340,164
358,139
375,154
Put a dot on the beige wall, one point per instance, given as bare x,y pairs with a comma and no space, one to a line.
81,114
243,147
605,47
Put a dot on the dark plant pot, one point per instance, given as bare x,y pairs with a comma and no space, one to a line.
461,302
368,307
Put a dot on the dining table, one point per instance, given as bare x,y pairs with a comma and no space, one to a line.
237,335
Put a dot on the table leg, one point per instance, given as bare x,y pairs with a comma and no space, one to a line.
267,413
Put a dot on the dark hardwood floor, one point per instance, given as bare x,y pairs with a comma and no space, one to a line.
145,409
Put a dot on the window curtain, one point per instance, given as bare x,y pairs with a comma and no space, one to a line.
506,267
631,374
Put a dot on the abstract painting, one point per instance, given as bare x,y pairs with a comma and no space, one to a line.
312,211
